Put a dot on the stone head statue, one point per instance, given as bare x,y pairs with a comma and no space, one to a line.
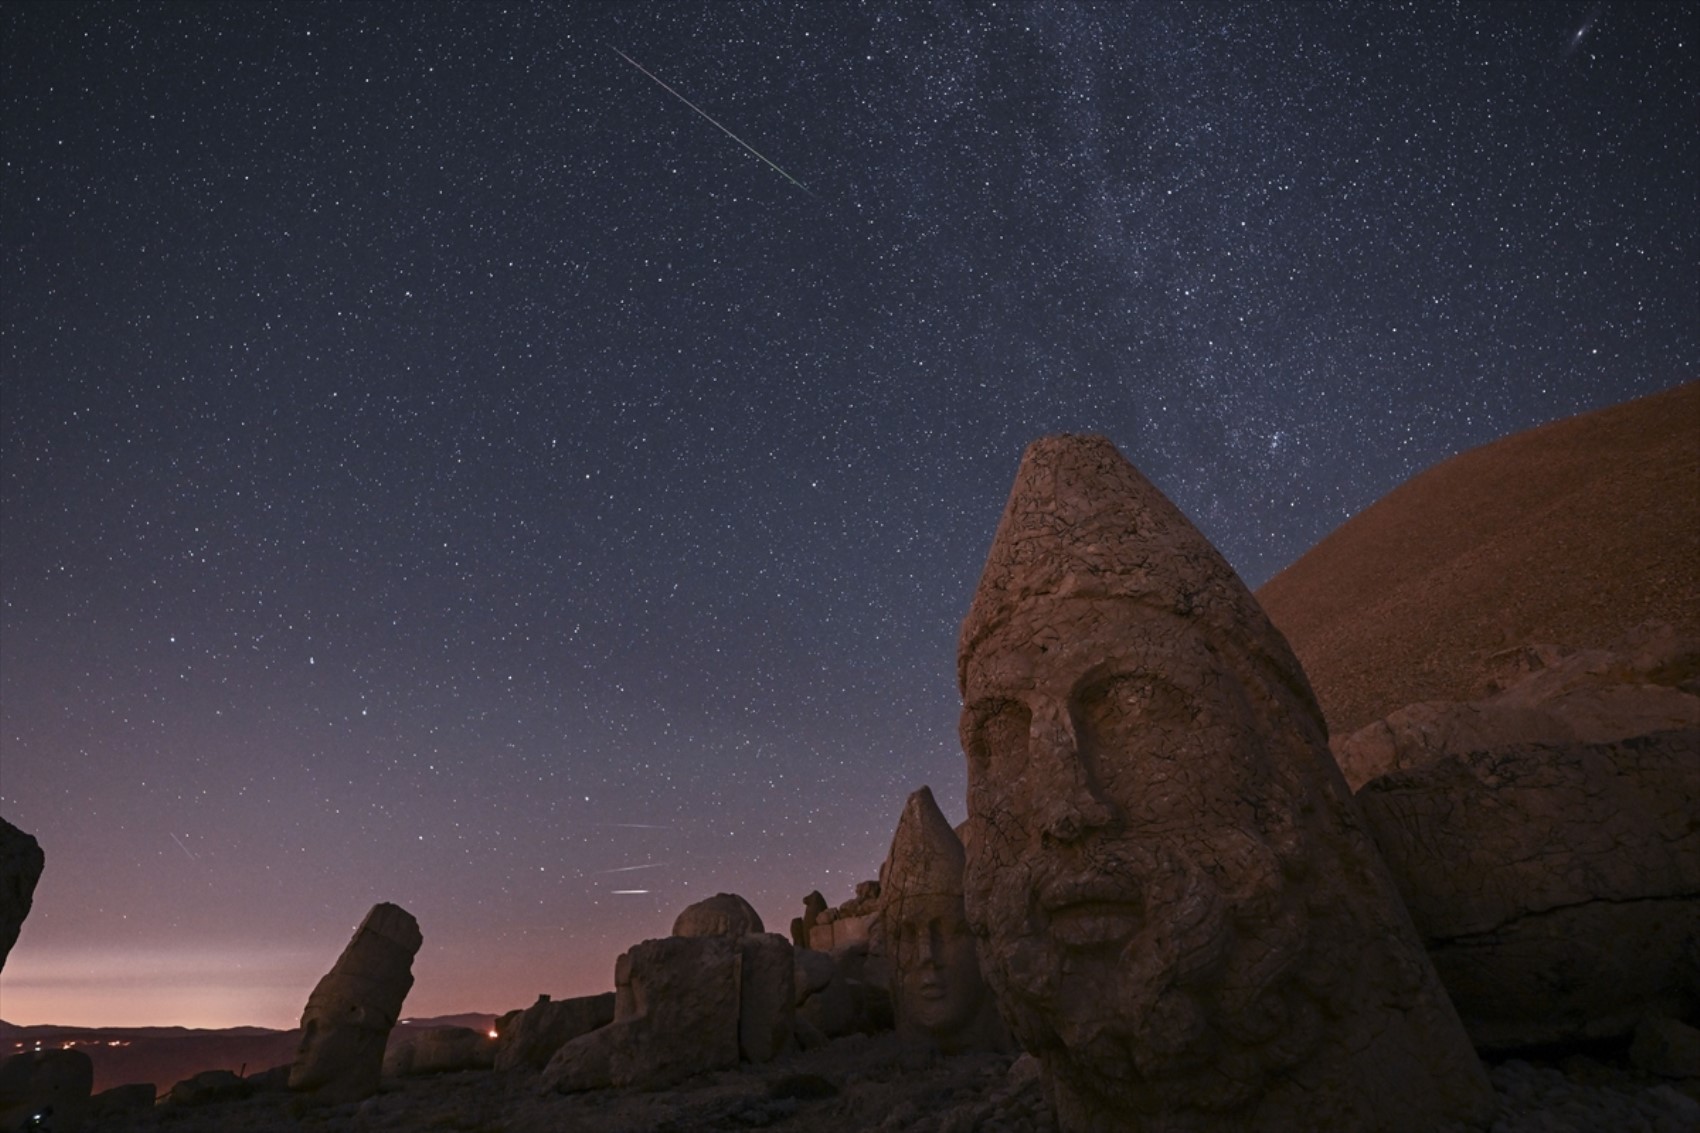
1179,912
937,992
348,1018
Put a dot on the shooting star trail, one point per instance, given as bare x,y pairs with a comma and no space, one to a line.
618,892
182,847
629,868
710,117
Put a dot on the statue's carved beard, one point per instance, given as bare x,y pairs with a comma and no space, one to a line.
1194,1010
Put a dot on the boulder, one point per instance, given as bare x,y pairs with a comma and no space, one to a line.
21,862
675,1016
1643,683
724,914
59,1083
437,1050
122,1100
272,1080
1556,885
531,1037
209,1086
842,992
346,1023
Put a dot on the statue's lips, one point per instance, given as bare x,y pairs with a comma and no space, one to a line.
1092,913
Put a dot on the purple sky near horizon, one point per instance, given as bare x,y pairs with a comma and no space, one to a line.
441,467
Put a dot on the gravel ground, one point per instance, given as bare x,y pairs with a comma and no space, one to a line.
870,1085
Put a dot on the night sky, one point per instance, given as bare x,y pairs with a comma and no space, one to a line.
442,466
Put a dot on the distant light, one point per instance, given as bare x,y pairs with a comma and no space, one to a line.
492,1032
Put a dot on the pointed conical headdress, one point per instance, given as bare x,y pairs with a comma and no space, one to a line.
926,858
1081,522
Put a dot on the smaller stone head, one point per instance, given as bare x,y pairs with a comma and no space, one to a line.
936,988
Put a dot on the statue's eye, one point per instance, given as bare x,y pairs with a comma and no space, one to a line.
1130,699
999,734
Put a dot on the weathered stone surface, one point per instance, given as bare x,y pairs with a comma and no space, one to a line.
1666,1047
347,1021
841,932
531,1037
21,862
1557,885
937,992
842,992
40,1080
437,1050
814,970
676,1015
1641,684
724,914
1179,910
272,1080
766,1007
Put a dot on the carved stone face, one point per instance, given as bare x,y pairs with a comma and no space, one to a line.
938,986
1128,822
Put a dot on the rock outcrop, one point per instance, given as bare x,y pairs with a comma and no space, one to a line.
937,992
530,1038
348,1018
1180,912
1649,681
21,862
1557,886
834,929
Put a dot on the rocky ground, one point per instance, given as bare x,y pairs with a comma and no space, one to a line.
872,1084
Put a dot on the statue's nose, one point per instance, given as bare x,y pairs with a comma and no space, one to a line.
1071,809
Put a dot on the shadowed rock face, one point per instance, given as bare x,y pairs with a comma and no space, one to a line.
937,992
21,862
675,1015
347,1021
1557,886
1179,911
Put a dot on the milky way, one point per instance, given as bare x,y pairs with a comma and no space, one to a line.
440,467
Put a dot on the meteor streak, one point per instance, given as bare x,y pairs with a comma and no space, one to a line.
629,868
182,847
710,117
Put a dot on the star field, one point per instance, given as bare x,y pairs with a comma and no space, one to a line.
441,467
